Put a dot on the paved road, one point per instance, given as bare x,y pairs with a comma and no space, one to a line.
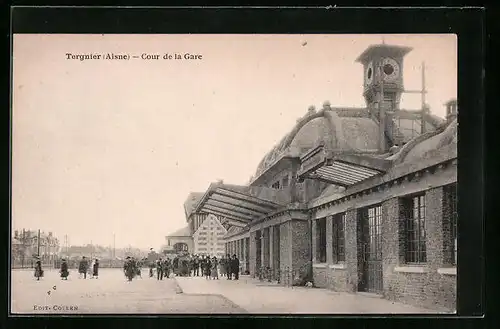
266,298
111,293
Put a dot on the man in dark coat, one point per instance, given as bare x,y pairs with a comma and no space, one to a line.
175,265
235,266
95,269
38,269
159,269
229,267
83,267
167,265
64,270
196,261
129,268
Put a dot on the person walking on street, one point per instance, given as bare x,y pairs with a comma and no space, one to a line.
38,269
175,265
196,265
207,268
167,266
235,264
95,269
222,266
64,270
159,269
83,267
214,269
229,268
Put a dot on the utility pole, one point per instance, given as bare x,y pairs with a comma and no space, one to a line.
38,249
114,246
422,123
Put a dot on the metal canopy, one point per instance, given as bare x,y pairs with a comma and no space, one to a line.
340,168
238,207
342,174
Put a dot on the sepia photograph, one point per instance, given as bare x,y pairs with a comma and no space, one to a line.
233,174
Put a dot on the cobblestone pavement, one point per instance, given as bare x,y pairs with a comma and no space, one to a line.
111,293
262,298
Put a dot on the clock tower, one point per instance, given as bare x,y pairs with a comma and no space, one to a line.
383,86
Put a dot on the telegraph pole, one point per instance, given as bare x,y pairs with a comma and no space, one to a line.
114,246
38,249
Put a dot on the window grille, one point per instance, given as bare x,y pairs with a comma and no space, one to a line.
338,244
321,240
414,229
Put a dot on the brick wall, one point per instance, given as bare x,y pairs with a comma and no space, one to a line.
301,251
252,255
351,249
428,289
390,244
285,249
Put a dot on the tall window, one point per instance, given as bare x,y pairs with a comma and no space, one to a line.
414,229
338,245
285,182
321,240
450,218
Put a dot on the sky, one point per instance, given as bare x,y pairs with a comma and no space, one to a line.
104,148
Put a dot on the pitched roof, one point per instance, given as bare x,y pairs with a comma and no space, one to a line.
181,232
204,224
191,202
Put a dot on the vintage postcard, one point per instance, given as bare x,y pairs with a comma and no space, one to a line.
234,174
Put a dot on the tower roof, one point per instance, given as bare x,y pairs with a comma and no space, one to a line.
382,50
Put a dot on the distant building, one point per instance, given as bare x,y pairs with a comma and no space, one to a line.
25,246
209,238
353,199
179,241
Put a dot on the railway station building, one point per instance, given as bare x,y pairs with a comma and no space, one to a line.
353,199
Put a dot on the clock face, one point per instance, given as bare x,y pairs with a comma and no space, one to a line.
369,74
390,69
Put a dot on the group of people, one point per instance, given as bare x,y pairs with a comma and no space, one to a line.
163,268
196,265
132,268
211,267
83,269
189,265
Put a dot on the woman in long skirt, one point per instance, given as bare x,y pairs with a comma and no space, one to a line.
64,270
222,266
214,270
95,269
38,270
206,269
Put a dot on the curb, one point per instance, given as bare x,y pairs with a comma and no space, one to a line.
179,290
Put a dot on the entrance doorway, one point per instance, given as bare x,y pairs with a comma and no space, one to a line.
370,250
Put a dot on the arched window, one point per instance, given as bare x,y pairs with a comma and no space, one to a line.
180,246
